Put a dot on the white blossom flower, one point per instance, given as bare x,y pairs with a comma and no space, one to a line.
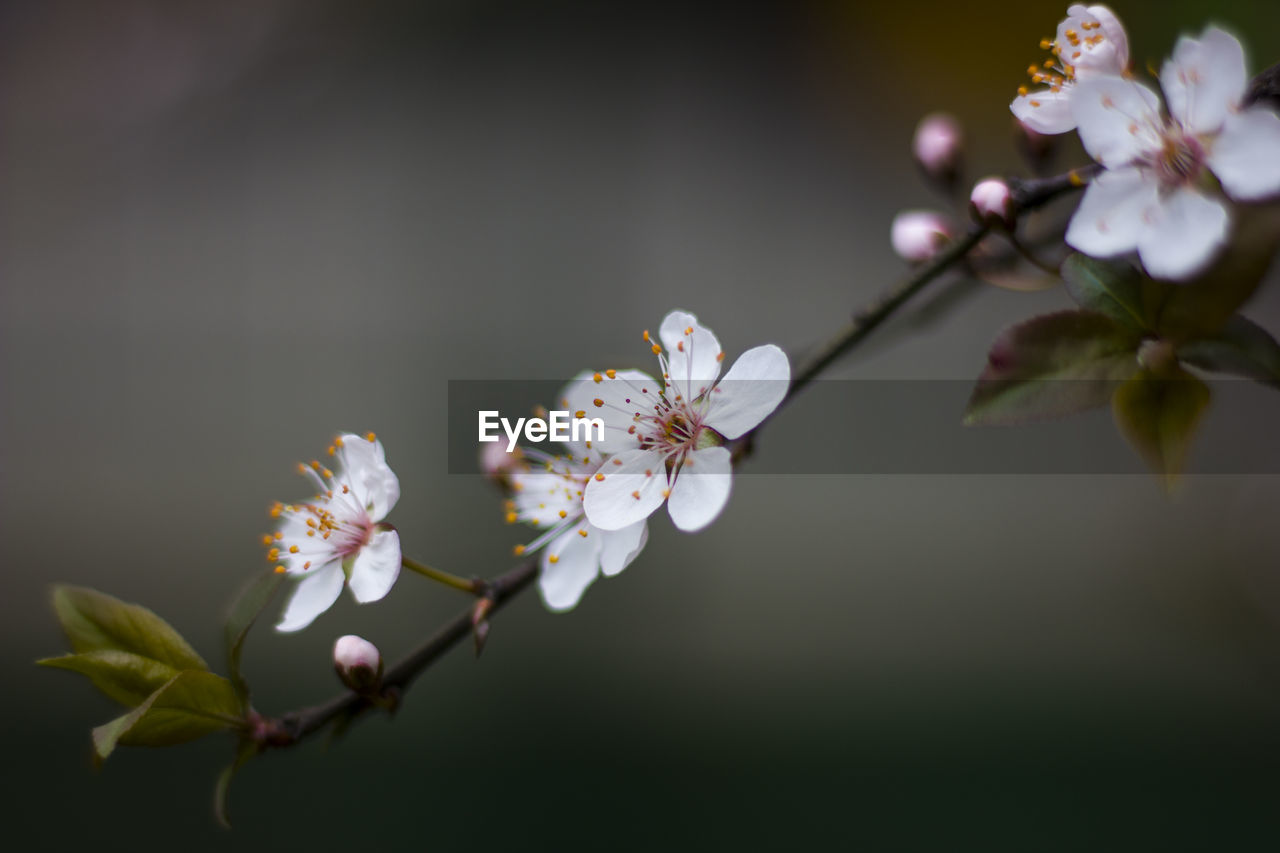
1090,41
575,551
337,537
1156,195
918,235
667,436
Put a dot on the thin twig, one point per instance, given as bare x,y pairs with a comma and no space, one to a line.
294,726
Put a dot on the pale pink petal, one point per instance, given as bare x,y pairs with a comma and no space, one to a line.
693,355
619,547
750,391
1045,111
1184,236
374,485
627,489
1114,212
576,564
1117,118
701,488
1111,55
1204,80
313,595
376,567
1246,155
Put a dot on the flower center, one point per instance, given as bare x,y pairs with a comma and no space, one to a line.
1180,159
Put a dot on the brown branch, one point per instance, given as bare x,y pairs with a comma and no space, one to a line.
294,726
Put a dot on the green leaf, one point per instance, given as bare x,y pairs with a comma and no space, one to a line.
249,604
1116,290
1052,366
1159,415
94,621
1242,349
245,750
125,677
188,706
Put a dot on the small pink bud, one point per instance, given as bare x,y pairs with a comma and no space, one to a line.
991,201
938,145
358,663
917,235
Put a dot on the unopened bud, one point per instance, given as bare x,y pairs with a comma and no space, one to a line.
1158,356
918,235
991,202
938,145
358,663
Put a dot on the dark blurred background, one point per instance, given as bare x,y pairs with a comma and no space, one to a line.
230,229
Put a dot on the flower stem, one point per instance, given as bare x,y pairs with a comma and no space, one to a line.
474,587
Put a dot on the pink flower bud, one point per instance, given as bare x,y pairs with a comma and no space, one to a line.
358,663
917,235
937,146
991,201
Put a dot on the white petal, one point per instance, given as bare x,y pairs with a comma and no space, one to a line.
1184,236
1246,155
619,547
313,595
376,567
626,492
1045,111
701,489
621,399
577,561
1204,79
750,391
1111,55
693,354
365,470
1114,212
1117,119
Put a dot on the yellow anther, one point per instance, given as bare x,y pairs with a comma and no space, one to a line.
280,570
657,350
598,402
1022,91
1034,103
279,535
581,413
599,478
1033,70
518,550
311,522
635,494
368,436
328,475
1048,63
688,330
302,469
266,539
293,549
596,377
552,558
563,514
611,373
646,334
1046,44
583,533
315,465
720,357
666,493
273,555
337,442
306,565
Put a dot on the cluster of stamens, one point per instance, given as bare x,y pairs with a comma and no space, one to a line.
1060,69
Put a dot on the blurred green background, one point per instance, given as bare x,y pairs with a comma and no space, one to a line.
231,229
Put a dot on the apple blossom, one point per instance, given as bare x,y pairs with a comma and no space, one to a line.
1156,194
337,537
1090,41
575,551
918,235
667,435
